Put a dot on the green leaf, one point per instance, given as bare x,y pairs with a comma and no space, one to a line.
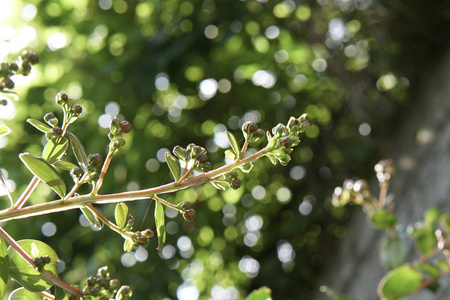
431,215
26,275
64,165
263,293
55,149
160,224
429,269
4,267
234,145
443,265
400,282
60,294
444,221
23,294
246,168
334,295
128,245
174,166
45,172
78,151
91,216
4,130
230,155
39,125
382,219
121,214
6,189
393,252
426,239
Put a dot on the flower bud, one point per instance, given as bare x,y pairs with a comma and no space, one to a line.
114,284
26,68
249,127
125,126
95,160
57,131
286,141
94,176
130,220
148,233
180,152
189,214
202,155
76,173
103,272
256,136
61,99
114,126
235,183
3,102
48,117
33,58
142,241
124,293
205,167
7,83
76,110
13,67
184,205
279,130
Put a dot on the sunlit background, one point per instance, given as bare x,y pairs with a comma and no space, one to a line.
185,71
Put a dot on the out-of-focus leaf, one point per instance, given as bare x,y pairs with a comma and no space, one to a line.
55,149
4,267
444,221
382,219
393,252
431,215
91,216
26,275
174,166
230,155
23,294
263,293
233,143
121,214
64,165
426,239
429,269
45,172
78,151
334,295
39,125
4,130
160,224
400,282
443,265
127,245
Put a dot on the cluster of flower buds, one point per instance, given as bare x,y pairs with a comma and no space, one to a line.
352,192
188,213
385,169
196,153
102,285
72,110
251,132
286,137
27,59
40,262
142,238
116,129
232,179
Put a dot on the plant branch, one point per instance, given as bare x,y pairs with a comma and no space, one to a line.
46,274
27,193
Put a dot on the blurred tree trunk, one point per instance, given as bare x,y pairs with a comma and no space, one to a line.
421,151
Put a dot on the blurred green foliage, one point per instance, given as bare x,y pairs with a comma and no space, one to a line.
184,71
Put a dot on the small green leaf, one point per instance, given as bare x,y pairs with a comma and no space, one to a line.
444,221
91,216
128,245
64,165
426,239
45,172
160,224
246,168
400,282
431,215
443,265
121,214
26,275
4,130
174,166
382,219
55,149
4,267
39,125
60,294
6,189
78,151
272,158
429,269
23,294
230,155
263,293
233,143
334,295
393,252
218,185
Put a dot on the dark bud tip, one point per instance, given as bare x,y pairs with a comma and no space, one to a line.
189,215
235,183
8,83
95,160
13,67
184,205
48,117
250,127
286,141
76,109
125,126
61,98
57,131
148,233
33,58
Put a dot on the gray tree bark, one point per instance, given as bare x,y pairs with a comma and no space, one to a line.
421,151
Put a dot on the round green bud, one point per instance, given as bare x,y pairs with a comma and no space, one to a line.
61,99
76,110
205,167
26,68
13,67
184,205
114,284
76,172
33,58
103,271
180,152
202,155
48,117
7,83
124,293
94,176
3,102
257,135
95,160
279,130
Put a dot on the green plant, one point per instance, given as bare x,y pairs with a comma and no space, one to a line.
32,263
431,238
